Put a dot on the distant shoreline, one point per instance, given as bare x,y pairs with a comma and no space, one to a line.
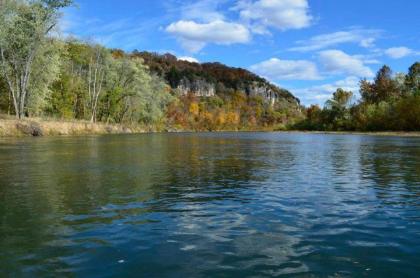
370,133
33,127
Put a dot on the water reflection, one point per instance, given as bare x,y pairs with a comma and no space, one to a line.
248,204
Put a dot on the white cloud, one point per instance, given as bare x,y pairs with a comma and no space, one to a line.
203,10
194,36
188,59
338,62
202,21
399,52
276,69
321,93
368,42
279,14
364,38
350,83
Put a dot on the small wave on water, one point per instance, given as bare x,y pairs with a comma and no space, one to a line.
209,205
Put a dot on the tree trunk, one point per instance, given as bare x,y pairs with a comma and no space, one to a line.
22,106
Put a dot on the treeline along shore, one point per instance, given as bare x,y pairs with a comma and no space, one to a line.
10,127
53,86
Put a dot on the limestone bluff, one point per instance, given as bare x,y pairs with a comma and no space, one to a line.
211,79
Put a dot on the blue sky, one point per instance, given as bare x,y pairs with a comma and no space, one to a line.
310,47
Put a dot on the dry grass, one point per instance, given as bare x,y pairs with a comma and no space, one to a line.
11,127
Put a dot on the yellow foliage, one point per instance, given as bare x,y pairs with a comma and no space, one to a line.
221,118
194,109
208,116
233,118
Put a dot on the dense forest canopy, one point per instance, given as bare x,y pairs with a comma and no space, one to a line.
389,102
43,76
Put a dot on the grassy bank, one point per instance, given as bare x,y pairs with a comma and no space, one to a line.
11,127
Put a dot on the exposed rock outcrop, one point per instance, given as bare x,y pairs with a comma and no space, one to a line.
210,79
266,92
197,87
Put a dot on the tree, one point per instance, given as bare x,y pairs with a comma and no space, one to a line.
5,97
400,82
132,93
412,80
367,91
173,77
98,68
40,87
24,33
194,109
155,100
341,99
336,109
314,117
71,93
383,88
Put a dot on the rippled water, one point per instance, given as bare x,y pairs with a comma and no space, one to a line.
210,205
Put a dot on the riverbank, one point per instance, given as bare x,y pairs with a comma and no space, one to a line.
371,133
10,127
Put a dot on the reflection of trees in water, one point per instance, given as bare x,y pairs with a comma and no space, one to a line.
77,176
195,163
214,184
29,201
392,164
343,155
54,188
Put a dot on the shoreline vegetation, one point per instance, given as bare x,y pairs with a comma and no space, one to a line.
10,127
93,89
37,127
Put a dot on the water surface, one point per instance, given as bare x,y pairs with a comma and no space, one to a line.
210,205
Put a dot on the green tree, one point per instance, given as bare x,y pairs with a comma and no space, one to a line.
337,111
25,26
153,103
132,94
412,80
173,77
341,99
40,87
127,79
98,69
313,118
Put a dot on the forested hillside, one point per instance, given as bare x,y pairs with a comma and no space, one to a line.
43,76
222,78
48,77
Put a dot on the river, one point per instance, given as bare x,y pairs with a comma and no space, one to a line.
210,205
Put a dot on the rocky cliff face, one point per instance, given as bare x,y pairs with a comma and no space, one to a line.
202,88
267,93
210,79
197,87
